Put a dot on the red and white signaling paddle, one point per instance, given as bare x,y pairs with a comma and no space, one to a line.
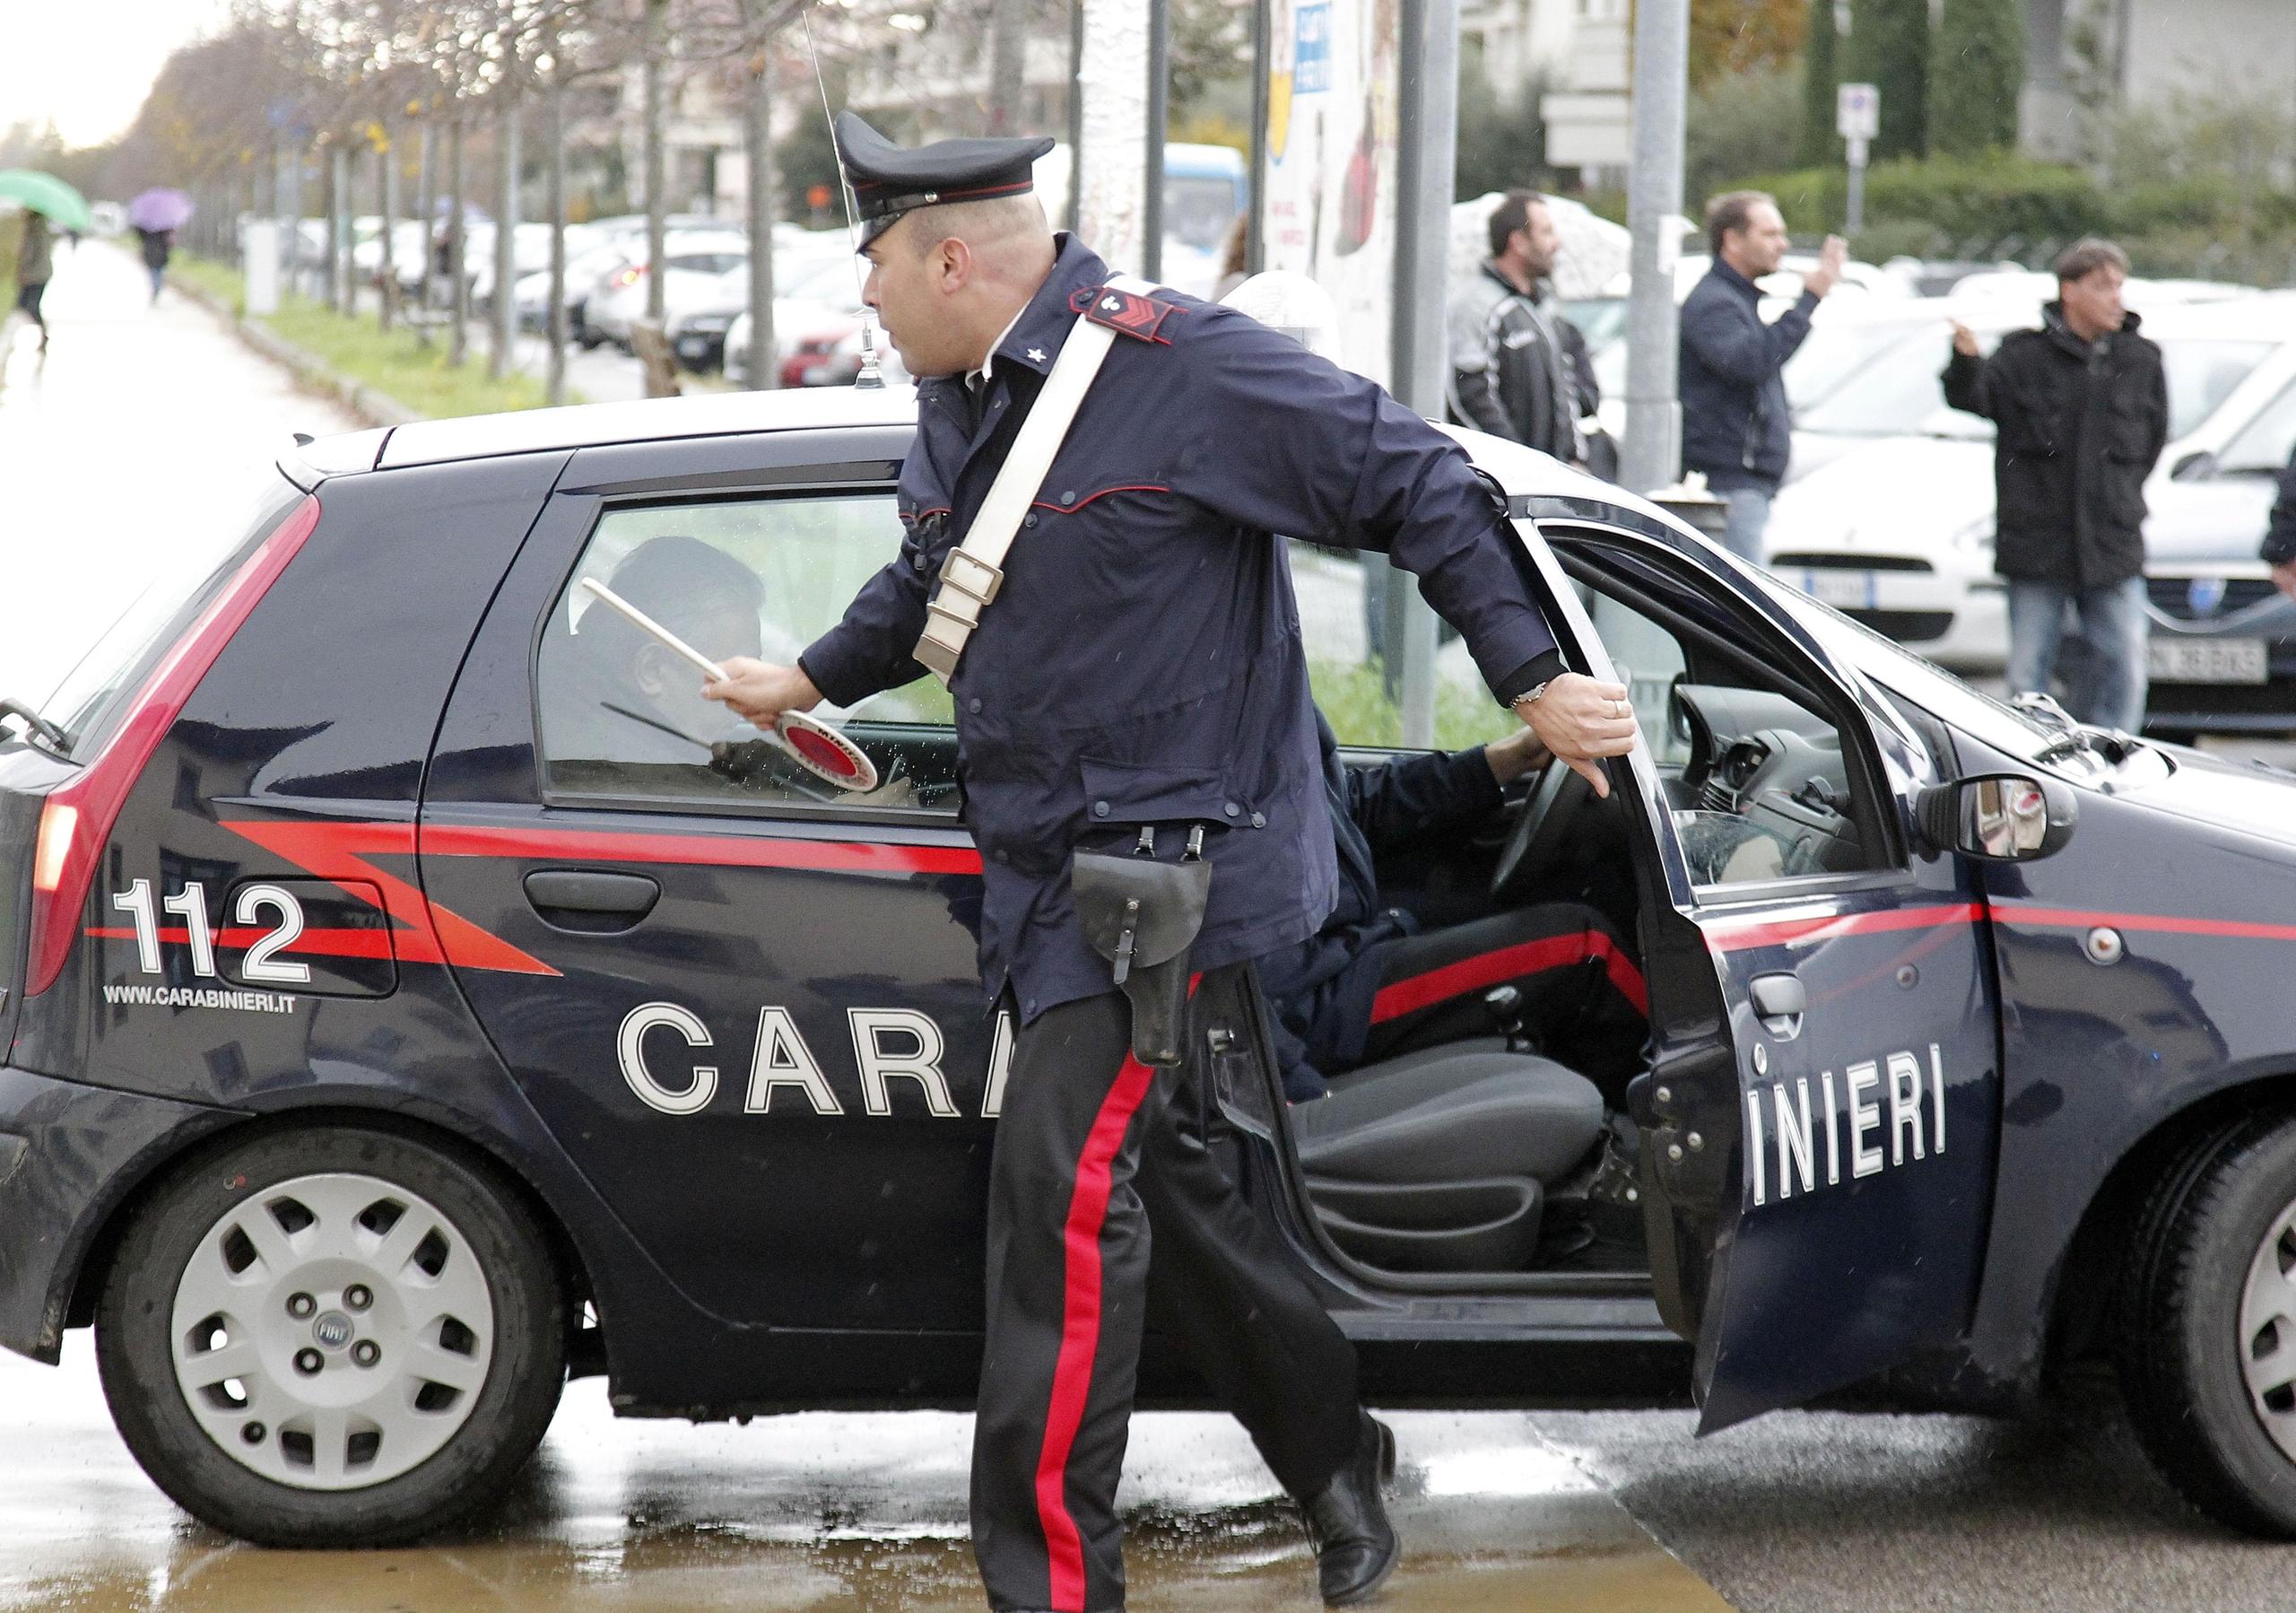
815,746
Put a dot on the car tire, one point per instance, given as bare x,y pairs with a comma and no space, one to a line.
390,1449
2208,1374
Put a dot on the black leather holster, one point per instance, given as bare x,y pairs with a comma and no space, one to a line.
1142,916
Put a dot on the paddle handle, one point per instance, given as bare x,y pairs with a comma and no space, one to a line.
644,622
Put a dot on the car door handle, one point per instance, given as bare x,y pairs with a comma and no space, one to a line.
1780,1002
590,898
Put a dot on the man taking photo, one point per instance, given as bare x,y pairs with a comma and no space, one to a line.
2082,411
1737,430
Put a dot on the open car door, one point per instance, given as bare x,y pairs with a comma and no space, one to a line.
1818,1129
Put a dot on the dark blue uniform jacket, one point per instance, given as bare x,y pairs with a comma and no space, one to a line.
1737,425
1321,990
1142,663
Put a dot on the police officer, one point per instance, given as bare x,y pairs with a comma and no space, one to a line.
1140,669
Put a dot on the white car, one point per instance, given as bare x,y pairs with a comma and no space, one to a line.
1897,530
693,261
824,297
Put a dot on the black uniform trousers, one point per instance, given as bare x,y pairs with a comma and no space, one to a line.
1097,1158
1583,997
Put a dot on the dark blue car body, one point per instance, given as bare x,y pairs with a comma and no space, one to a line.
1915,1187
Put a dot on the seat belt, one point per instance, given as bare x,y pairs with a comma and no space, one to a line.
974,570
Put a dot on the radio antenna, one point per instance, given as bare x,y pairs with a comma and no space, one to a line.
869,376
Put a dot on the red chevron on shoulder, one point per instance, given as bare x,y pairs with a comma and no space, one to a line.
1133,314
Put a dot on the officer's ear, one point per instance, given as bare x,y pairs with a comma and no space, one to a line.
951,264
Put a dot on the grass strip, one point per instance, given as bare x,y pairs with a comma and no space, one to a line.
397,363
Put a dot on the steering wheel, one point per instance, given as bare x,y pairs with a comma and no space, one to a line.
1540,829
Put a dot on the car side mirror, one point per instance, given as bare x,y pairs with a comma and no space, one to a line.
2197,466
1998,818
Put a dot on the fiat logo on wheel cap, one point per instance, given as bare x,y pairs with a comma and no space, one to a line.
333,1331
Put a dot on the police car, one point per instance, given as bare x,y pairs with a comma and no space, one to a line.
414,1000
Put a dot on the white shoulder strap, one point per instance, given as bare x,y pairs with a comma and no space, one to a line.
974,570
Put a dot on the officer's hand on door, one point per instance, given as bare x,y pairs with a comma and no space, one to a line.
1582,720
761,692
2284,577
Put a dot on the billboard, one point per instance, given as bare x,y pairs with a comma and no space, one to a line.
1327,197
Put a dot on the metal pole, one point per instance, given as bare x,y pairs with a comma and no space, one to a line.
553,323
762,369
1075,111
1428,114
1263,49
1652,455
426,208
387,284
1160,91
1856,221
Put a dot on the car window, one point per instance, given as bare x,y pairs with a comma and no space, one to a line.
1347,669
1759,779
623,716
2264,445
2202,375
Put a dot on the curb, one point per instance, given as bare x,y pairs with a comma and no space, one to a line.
365,404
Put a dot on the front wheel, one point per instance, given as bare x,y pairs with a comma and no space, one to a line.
2208,1336
332,1337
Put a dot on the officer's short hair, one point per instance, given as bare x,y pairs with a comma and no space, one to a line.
979,224
1730,211
1511,215
2086,255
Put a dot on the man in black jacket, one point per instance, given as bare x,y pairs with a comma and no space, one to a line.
1519,369
1737,429
2080,408
1372,984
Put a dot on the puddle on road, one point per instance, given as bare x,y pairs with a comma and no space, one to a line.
814,1513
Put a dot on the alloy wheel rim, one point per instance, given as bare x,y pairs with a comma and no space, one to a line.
332,1333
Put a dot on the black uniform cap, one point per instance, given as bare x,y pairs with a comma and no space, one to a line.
888,180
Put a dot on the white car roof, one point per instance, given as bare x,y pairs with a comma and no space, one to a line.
1523,472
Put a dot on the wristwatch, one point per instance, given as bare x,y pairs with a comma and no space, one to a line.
1530,696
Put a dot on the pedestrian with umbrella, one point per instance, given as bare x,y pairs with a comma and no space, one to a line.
156,215
48,202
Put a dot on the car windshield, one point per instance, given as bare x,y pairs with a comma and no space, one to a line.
1897,391
1931,687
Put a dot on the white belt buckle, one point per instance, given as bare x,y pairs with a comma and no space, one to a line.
969,574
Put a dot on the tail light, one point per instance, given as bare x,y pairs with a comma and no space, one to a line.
75,820
628,277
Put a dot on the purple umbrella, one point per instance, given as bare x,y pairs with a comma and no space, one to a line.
160,209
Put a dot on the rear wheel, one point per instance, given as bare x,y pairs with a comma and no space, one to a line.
2208,1344
337,1337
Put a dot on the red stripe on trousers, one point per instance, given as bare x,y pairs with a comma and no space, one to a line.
1080,1331
1417,991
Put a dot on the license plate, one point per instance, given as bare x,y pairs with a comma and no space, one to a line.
1844,591
2205,660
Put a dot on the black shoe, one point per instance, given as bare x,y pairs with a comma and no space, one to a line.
1355,1545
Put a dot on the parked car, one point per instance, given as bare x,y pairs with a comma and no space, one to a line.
818,312
2222,651
400,1020
815,284
696,262
1895,525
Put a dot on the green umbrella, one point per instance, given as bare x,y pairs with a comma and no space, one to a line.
45,193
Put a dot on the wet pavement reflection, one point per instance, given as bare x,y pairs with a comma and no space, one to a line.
814,1512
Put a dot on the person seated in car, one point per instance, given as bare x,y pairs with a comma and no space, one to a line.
614,694
1373,985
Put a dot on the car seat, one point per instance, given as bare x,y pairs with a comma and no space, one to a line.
1439,1160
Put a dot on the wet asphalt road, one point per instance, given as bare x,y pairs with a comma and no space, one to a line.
140,415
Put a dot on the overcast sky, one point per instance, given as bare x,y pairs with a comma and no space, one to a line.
87,64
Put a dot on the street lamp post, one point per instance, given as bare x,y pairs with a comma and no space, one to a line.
1651,456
